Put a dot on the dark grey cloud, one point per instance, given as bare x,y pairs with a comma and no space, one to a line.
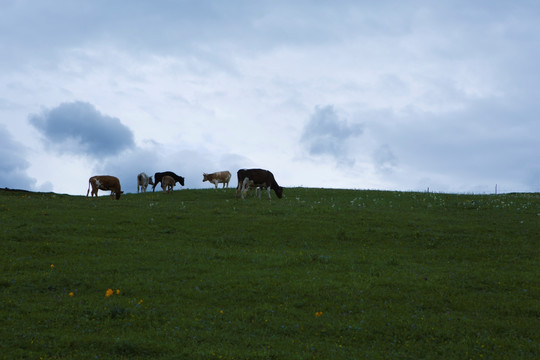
13,163
78,128
327,134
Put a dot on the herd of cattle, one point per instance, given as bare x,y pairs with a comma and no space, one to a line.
257,179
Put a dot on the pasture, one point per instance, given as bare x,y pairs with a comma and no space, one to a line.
319,274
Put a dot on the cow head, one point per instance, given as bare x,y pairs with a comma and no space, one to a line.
279,192
150,181
205,177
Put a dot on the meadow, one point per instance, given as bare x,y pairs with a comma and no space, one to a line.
319,274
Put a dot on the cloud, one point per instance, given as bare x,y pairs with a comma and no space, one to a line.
435,95
78,128
474,147
327,134
13,165
384,159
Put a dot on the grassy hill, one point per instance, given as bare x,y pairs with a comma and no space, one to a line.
321,273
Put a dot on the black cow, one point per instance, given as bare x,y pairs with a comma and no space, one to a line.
257,178
159,176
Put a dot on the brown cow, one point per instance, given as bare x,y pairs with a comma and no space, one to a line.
167,183
218,177
104,182
257,178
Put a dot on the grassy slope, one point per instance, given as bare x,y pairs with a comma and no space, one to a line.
321,273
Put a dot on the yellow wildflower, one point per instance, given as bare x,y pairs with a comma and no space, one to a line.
71,294
117,291
109,292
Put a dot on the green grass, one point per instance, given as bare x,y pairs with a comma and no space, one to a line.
324,274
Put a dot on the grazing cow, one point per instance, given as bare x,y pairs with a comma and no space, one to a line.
159,176
104,182
142,181
167,183
218,177
257,178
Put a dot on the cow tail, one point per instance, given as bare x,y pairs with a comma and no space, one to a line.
87,191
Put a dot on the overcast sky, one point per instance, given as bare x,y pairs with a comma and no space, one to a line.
398,95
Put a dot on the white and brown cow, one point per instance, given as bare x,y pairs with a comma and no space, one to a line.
167,183
218,177
142,182
104,182
257,178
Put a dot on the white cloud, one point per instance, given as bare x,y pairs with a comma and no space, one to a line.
446,93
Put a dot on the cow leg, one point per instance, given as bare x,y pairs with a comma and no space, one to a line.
245,187
89,185
268,189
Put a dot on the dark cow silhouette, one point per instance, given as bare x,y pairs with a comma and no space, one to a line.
257,178
159,176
